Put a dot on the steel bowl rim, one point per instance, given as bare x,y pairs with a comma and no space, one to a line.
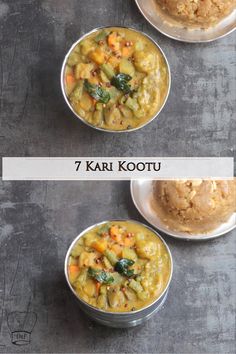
171,233
93,308
179,39
107,130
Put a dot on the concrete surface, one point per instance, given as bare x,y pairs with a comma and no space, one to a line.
38,223
38,220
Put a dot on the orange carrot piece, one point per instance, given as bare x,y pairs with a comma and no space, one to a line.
73,269
70,79
100,245
112,38
127,52
129,241
98,286
98,56
113,42
116,234
114,231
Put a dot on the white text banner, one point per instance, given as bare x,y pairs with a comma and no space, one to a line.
120,168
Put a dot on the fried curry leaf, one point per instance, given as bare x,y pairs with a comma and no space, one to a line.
97,92
101,276
122,267
120,81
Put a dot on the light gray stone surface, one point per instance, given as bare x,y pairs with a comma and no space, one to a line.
38,220
38,223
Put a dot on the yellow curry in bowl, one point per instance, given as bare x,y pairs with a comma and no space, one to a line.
116,79
119,266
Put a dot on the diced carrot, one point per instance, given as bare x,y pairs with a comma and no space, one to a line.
114,230
94,101
116,235
127,52
98,286
70,79
73,271
112,38
73,268
129,241
113,42
98,56
94,80
100,245
117,249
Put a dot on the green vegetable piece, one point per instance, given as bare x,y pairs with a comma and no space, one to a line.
111,257
129,253
77,48
99,106
86,47
108,70
116,297
104,229
123,99
127,67
103,290
132,104
73,59
72,261
122,267
102,301
101,276
118,279
77,93
97,117
127,113
130,294
139,236
136,286
104,78
82,277
77,250
143,295
107,263
98,93
139,45
120,81
101,36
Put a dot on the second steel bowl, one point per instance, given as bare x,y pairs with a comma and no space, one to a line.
99,128
149,10
120,319
142,194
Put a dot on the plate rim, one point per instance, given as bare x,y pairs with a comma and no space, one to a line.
180,39
172,234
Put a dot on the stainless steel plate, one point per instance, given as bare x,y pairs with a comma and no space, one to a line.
149,10
141,192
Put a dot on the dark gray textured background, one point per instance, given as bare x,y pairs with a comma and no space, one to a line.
38,220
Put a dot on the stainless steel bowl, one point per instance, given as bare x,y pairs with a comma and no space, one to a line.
82,119
149,10
120,319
